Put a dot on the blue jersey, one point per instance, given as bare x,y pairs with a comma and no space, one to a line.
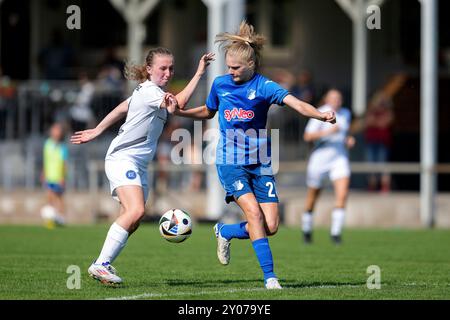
243,110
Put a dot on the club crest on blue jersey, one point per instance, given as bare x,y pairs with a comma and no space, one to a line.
251,94
131,175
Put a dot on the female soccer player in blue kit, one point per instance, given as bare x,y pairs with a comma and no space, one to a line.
243,97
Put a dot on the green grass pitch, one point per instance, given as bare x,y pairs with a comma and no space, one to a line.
414,265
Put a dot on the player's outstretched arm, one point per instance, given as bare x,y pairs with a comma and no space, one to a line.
115,115
308,110
184,96
196,113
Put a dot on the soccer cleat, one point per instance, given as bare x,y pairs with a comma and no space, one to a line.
307,237
336,239
105,273
60,221
223,246
272,283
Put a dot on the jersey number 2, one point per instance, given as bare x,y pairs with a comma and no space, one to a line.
270,194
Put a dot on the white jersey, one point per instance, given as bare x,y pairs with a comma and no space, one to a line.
329,156
334,141
138,136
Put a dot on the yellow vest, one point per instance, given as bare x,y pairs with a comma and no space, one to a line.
55,156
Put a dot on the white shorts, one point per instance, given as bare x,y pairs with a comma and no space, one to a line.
319,168
125,173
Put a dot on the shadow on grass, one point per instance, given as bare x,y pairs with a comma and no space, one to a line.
294,284
211,283
240,283
287,284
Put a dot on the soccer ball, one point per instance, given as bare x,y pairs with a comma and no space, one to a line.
48,212
175,225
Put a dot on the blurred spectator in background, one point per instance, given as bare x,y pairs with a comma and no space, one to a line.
81,115
111,59
110,79
57,59
378,129
110,76
7,89
284,78
275,115
303,89
81,118
53,176
379,118
7,92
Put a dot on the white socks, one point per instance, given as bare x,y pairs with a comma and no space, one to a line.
337,221
307,222
115,241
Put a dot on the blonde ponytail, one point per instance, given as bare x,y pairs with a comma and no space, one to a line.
246,43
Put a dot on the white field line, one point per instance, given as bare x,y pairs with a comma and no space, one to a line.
201,293
188,293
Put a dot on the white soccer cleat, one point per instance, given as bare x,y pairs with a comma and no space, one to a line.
223,246
273,284
60,221
105,273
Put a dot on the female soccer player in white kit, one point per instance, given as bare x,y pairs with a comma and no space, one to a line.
329,157
135,145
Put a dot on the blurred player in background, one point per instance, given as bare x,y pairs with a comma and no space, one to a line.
329,157
128,156
243,98
55,156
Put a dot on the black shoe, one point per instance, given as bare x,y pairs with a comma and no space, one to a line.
307,238
336,239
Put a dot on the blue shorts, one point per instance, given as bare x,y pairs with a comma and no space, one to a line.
55,187
240,180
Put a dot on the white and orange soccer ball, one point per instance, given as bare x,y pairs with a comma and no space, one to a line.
175,225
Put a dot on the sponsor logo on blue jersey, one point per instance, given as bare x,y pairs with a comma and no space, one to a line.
238,114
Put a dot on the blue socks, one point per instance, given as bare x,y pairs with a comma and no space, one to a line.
264,255
232,231
261,246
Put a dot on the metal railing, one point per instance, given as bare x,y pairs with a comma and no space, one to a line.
96,168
